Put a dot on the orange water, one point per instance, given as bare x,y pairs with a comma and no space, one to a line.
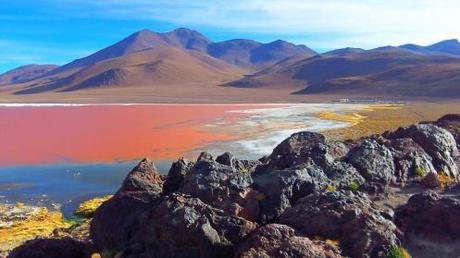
106,133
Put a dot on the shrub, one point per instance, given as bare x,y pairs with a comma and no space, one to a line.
354,186
420,172
445,179
398,252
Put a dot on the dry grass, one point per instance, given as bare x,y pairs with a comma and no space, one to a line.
377,119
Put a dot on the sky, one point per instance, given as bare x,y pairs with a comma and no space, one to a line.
59,31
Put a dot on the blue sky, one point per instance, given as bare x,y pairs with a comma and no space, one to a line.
58,31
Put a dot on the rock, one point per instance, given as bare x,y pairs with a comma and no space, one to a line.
246,166
183,226
282,188
275,240
293,151
51,248
373,161
221,186
437,142
117,220
410,160
451,123
430,216
347,217
431,181
175,179
204,156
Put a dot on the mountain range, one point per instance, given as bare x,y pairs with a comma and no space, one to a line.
185,57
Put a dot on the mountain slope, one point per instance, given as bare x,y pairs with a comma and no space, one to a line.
249,53
161,65
25,73
375,72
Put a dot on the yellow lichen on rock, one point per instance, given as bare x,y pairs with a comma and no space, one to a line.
19,223
87,208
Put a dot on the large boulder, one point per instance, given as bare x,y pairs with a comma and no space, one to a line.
429,215
275,240
280,189
431,225
222,186
373,161
451,122
183,226
347,217
437,142
116,221
52,248
411,161
293,151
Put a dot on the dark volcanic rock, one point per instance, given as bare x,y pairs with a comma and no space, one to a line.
437,142
221,186
175,179
409,158
247,166
51,248
275,240
294,150
117,220
280,189
182,226
430,216
451,123
431,181
374,161
345,216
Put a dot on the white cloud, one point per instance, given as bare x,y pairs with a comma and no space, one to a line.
358,23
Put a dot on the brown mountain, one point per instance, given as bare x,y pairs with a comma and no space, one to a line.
25,73
384,71
162,65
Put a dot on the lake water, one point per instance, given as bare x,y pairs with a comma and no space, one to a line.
61,153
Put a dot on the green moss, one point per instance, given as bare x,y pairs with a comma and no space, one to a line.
75,220
331,188
420,172
398,252
354,186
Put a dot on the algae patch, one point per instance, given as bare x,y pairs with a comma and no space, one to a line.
87,208
19,223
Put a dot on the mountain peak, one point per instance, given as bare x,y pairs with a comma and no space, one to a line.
186,38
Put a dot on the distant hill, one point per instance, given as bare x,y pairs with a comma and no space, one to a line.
448,47
383,71
25,73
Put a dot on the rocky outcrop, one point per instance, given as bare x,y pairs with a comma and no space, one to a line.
347,217
436,142
223,187
183,226
275,240
175,179
52,248
115,222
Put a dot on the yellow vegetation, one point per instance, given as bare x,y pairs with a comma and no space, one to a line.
352,118
87,208
333,242
19,223
445,180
